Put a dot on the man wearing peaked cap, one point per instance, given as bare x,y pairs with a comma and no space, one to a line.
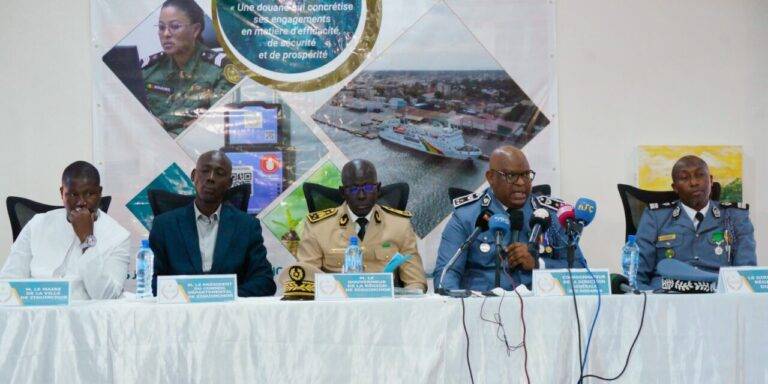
696,230
510,178
383,231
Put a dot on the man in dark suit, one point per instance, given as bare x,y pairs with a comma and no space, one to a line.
211,236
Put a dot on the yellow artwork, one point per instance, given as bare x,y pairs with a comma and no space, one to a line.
725,164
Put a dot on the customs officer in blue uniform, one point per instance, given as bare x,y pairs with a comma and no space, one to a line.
696,230
510,178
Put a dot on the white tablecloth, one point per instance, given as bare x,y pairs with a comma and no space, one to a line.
686,339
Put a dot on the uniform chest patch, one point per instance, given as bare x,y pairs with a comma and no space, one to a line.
156,88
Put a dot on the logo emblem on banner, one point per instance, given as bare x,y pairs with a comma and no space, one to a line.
297,46
269,164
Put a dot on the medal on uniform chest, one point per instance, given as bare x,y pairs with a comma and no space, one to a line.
718,238
485,247
669,253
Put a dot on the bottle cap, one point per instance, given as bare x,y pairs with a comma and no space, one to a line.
353,240
144,243
631,239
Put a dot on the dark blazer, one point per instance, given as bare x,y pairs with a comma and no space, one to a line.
239,249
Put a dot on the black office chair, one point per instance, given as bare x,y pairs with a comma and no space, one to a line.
538,190
21,211
635,200
320,197
163,201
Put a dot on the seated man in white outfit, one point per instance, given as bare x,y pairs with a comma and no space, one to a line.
79,242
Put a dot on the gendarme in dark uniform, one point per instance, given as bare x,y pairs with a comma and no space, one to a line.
725,237
178,96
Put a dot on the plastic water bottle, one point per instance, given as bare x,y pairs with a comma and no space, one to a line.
144,268
630,258
353,257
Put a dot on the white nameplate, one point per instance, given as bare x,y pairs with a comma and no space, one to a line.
34,292
743,280
557,282
345,286
196,288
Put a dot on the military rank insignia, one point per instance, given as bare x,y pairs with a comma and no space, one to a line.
298,282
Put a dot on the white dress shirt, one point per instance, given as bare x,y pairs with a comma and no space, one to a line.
207,231
353,218
48,247
692,213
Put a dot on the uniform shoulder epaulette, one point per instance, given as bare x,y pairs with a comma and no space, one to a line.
150,60
218,59
662,205
550,202
728,204
396,211
466,199
314,217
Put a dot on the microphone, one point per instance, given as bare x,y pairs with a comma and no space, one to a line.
620,285
565,215
516,223
481,225
539,223
584,212
499,226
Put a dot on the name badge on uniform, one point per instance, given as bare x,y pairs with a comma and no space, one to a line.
668,237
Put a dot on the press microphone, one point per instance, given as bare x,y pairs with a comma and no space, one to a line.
516,223
584,213
620,285
499,226
566,215
539,223
481,225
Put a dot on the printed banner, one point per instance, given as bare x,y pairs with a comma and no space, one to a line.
293,89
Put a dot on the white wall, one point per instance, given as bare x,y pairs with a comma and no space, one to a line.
658,72
630,72
45,111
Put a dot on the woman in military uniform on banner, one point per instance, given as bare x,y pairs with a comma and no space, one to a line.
187,77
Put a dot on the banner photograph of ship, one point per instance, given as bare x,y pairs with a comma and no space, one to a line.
429,111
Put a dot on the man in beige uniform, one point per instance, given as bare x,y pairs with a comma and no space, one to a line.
383,231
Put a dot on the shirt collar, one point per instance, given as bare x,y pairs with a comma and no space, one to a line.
354,217
214,216
692,212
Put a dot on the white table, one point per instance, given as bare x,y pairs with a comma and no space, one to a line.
686,339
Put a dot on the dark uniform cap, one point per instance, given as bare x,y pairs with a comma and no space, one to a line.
681,277
298,281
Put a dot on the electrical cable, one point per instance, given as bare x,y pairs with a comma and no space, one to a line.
629,354
594,319
466,333
578,321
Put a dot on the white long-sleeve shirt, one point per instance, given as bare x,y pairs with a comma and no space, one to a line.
48,247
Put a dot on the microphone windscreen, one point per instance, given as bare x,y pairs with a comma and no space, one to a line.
482,219
585,210
516,220
499,222
616,281
541,217
564,214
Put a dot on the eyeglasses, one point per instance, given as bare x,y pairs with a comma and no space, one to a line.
514,177
355,189
172,27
